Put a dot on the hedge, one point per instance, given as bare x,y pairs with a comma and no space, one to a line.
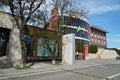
93,49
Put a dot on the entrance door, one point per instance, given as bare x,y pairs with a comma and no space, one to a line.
4,40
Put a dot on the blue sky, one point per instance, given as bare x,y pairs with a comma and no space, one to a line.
105,14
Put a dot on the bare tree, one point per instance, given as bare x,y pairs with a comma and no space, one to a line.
35,12
63,7
70,7
51,42
25,12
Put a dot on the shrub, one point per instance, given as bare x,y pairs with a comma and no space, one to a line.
117,50
93,49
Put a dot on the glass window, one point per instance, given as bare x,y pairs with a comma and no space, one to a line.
2,43
42,48
70,30
28,43
77,22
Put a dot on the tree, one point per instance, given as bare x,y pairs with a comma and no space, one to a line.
93,49
64,7
70,8
35,12
29,12
51,40
25,12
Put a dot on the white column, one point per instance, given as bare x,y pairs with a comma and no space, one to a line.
68,49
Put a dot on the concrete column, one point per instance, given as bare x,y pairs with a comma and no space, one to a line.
68,49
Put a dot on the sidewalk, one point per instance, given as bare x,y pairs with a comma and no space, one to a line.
42,67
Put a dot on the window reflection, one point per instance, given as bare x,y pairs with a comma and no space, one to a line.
29,44
70,21
42,49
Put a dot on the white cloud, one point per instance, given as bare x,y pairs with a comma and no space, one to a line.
115,40
101,6
103,9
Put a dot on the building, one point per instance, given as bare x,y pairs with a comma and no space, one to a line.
98,36
36,49
70,24
77,25
10,46
80,27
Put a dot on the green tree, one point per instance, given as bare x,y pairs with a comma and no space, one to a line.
67,7
52,40
30,12
93,49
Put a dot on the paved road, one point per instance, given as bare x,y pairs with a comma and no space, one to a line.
95,70
110,71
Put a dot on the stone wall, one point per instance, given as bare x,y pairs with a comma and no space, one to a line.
14,55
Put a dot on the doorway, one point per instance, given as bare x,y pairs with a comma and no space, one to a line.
4,41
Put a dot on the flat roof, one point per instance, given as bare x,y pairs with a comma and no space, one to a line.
99,28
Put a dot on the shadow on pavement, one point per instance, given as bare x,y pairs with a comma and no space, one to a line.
30,64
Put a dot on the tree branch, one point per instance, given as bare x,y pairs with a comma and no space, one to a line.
11,5
32,4
31,12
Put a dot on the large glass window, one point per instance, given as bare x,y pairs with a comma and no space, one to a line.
71,21
28,43
42,48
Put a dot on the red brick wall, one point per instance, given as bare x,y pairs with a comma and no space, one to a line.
95,40
54,20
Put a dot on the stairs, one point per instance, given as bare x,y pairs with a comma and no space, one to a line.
104,54
100,52
109,54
